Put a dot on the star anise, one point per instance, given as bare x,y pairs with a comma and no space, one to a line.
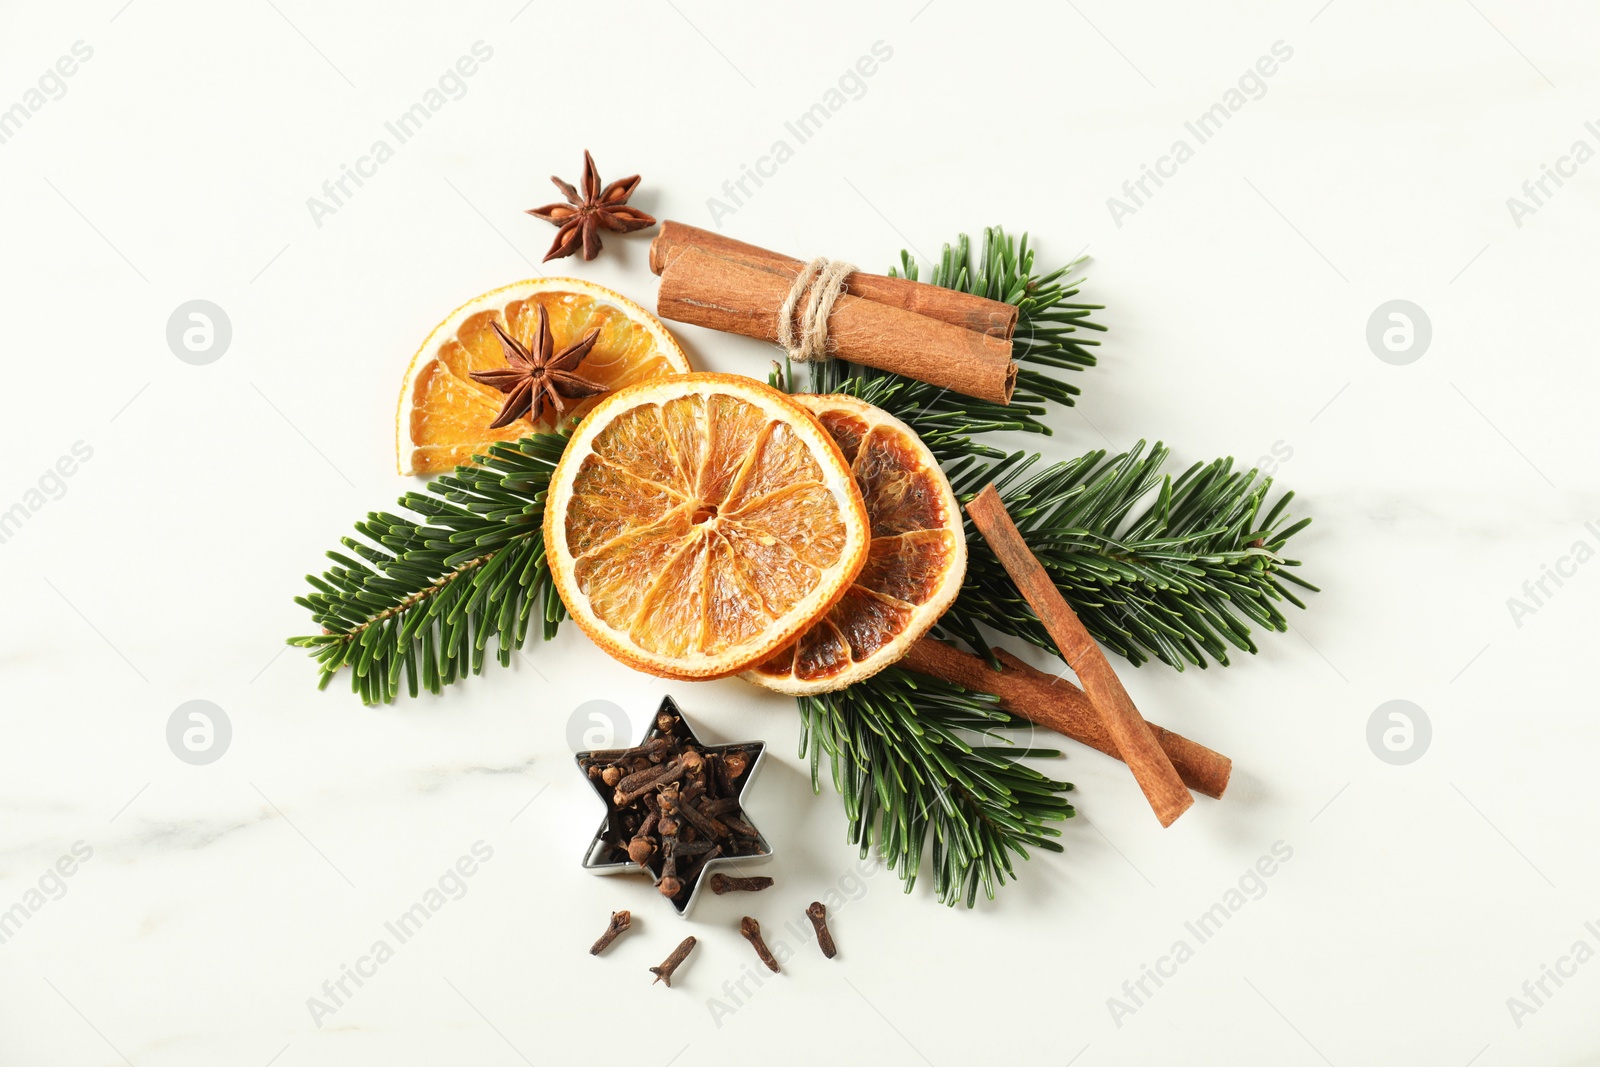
582,218
536,375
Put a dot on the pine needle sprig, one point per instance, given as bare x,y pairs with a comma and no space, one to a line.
1047,338
1181,581
919,762
424,598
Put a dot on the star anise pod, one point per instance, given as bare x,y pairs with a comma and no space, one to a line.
583,217
536,375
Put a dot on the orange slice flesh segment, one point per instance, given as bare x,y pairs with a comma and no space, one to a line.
698,523
914,567
444,414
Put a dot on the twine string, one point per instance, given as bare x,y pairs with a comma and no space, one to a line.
821,282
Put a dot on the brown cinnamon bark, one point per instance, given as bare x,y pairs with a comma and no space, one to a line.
976,313
1136,743
1059,705
708,290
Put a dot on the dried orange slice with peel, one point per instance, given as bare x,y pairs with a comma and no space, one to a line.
915,564
444,414
697,524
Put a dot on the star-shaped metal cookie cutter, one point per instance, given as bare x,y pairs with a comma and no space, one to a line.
607,852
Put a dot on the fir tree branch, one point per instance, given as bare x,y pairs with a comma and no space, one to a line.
425,600
917,761
1181,581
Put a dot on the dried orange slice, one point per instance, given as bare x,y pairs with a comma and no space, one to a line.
444,415
915,564
696,524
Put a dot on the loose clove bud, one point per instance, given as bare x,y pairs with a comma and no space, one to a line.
620,921
721,883
641,848
638,784
663,973
704,823
752,933
669,884
692,873
819,919
651,749
740,827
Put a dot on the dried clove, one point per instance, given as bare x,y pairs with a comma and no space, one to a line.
639,783
740,827
717,776
704,823
819,919
641,848
663,973
691,874
752,933
722,883
667,801
620,921
651,749
695,787
670,885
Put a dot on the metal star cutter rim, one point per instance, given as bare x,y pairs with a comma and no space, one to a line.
608,849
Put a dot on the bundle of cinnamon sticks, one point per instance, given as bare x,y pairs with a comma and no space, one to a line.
1101,714
941,336
1056,704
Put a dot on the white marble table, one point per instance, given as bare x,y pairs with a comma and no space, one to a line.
177,914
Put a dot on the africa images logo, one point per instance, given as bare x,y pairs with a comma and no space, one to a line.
51,485
51,85
1250,886
1251,85
451,85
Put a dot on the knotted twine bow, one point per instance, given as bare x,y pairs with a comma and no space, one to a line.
824,279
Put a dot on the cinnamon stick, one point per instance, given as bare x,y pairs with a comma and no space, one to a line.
1059,705
1135,742
979,314
709,290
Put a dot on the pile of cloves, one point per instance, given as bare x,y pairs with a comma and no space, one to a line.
749,929
673,805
